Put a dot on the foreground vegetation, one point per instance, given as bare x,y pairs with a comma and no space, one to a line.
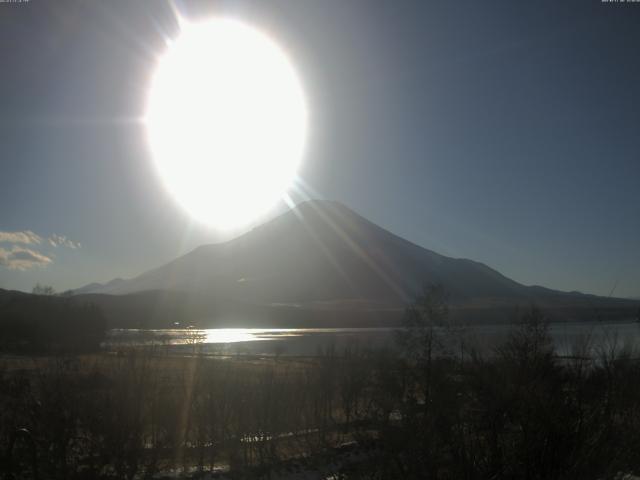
431,409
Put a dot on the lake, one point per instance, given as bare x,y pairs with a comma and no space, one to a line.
310,341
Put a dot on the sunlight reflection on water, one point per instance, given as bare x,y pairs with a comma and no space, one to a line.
178,336
307,340
234,335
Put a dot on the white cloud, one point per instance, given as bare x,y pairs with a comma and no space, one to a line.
16,256
56,240
25,237
20,258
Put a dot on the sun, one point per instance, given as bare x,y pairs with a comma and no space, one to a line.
226,121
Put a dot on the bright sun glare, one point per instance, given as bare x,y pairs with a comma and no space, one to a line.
226,120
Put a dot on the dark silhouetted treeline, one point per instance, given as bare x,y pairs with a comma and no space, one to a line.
48,323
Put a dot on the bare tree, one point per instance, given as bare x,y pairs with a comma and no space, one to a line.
43,290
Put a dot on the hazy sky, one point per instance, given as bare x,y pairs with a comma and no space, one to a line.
506,132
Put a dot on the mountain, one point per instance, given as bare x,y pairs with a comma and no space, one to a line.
321,255
320,251
94,287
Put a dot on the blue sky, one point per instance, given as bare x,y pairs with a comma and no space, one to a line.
506,132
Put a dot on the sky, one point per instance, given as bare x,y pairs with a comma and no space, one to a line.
505,132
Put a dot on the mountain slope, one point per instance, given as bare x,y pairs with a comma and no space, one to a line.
323,253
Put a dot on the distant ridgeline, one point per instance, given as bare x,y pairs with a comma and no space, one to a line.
47,323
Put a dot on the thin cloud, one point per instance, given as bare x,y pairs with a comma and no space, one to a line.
56,240
24,237
20,258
